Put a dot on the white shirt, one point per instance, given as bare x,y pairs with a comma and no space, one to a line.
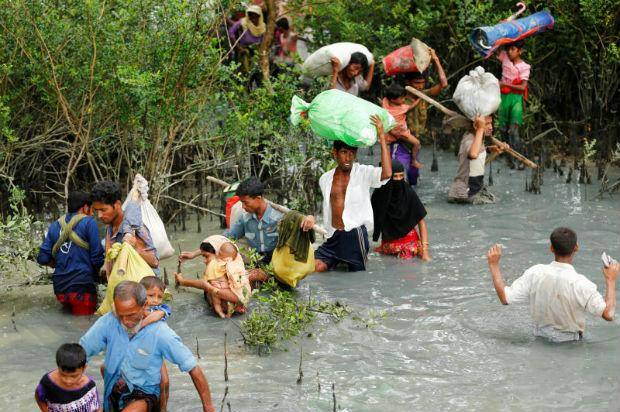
558,296
476,166
357,208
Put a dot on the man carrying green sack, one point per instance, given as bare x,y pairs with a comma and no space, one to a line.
336,115
347,210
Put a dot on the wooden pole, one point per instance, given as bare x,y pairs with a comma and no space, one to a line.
276,206
461,120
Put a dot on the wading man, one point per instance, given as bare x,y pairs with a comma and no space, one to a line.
347,210
558,296
73,248
134,354
123,225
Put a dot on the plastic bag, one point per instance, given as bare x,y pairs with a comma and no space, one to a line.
127,265
139,193
414,57
287,269
477,94
338,115
319,63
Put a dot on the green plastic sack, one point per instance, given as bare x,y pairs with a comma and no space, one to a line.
337,115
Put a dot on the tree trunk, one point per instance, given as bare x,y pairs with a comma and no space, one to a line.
265,45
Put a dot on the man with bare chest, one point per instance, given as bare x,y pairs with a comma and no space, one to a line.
347,211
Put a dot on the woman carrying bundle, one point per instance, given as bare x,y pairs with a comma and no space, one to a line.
350,79
397,211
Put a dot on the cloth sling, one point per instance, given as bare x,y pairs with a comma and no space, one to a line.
291,235
67,233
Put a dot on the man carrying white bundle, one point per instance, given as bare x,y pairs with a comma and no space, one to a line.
468,185
478,97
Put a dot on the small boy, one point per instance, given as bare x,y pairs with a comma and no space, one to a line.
67,388
515,75
406,146
218,272
156,311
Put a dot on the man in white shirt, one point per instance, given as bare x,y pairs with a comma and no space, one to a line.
347,211
558,296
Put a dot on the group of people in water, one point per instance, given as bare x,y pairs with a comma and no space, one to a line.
358,200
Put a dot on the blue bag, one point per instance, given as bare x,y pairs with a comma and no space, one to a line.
487,39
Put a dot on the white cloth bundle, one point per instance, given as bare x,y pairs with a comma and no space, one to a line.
477,94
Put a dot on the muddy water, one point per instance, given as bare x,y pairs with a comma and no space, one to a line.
446,343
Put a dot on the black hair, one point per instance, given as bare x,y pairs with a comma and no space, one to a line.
106,192
76,200
416,75
394,91
518,44
339,144
283,23
563,241
70,356
359,58
207,247
152,282
252,187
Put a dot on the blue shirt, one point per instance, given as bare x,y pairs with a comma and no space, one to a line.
262,234
137,360
164,308
132,223
76,269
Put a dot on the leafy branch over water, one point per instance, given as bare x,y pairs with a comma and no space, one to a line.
280,317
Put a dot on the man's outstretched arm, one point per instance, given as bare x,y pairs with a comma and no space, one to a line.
493,257
611,274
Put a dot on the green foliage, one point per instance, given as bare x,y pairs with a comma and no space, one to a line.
19,237
279,317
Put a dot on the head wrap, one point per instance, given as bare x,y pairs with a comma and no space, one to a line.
396,208
256,30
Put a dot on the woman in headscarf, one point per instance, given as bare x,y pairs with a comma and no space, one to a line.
247,31
236,290
397,211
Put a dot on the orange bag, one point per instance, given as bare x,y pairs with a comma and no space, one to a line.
412,58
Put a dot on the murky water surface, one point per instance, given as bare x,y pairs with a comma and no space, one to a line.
446,344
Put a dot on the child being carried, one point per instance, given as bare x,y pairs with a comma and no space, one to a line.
394,103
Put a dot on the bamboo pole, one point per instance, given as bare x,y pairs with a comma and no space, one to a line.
276,206
460,120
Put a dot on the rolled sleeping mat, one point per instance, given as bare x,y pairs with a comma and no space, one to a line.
485,40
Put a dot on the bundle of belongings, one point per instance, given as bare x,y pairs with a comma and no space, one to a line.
293,258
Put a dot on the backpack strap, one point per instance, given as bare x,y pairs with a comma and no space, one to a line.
67,233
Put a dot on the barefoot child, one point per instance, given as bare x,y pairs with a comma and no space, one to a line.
406,147
68,389
156,311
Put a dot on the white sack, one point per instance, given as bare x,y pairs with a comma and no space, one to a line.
139,193
319,62
477,94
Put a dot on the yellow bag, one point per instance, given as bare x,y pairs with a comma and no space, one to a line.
128,265
287,269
